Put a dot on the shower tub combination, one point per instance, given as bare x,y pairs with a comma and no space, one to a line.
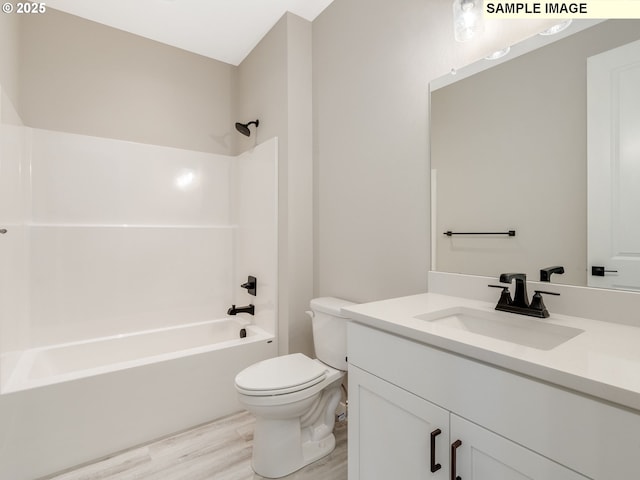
112,332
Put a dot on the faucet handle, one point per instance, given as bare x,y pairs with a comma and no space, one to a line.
538,304
505,295
251,285
546,293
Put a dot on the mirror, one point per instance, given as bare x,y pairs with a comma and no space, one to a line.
509,153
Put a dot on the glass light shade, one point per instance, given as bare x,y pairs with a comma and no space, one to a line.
498,54
467,19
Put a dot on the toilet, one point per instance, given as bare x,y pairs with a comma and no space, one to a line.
294,398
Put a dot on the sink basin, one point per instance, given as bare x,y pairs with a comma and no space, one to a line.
512,328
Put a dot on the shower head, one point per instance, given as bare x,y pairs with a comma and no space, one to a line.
243,128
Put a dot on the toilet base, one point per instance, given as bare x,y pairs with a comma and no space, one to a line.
312,451
282,446
268,460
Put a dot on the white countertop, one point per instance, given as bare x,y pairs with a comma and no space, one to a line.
603,361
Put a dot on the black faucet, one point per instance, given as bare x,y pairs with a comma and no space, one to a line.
520,303
235,310
520,298
545,273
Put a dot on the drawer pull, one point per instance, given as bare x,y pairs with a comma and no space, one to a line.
434,466
454,447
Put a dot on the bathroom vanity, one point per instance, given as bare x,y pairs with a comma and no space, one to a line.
445,387
441,385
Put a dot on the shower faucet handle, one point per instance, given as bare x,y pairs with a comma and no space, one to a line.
251,285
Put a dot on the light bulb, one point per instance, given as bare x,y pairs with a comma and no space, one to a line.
467,19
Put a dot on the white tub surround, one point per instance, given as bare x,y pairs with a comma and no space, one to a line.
106,237
567,388
121,237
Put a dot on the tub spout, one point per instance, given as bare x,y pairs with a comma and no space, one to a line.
235,310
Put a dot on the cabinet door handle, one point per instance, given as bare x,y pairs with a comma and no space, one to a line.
434,466
454,447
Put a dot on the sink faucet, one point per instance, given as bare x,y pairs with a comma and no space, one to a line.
520,298
235,310
545,273
520,303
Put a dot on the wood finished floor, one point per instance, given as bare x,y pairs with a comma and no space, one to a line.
216,451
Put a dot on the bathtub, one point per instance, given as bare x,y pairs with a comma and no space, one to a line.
68,404
70,361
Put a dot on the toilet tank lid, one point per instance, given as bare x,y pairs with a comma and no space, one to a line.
330,305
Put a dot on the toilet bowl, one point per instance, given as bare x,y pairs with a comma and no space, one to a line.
294,398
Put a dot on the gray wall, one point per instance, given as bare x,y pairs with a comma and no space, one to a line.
274,85
370,145
372,63
9,37
82,77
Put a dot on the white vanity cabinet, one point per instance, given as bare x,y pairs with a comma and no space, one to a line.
396,434
391,431
509,427
483,455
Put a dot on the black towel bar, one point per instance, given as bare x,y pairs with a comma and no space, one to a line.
511,233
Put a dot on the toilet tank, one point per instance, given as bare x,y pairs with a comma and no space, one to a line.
330,331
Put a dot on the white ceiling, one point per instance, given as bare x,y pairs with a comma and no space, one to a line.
226,30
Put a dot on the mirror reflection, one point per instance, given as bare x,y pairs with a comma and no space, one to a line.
513,149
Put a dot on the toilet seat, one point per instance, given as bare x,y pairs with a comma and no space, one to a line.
280,375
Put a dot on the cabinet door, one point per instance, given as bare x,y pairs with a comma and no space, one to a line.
483,455
390,432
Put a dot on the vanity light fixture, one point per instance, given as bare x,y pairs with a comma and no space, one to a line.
467,19
556,28
498,54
